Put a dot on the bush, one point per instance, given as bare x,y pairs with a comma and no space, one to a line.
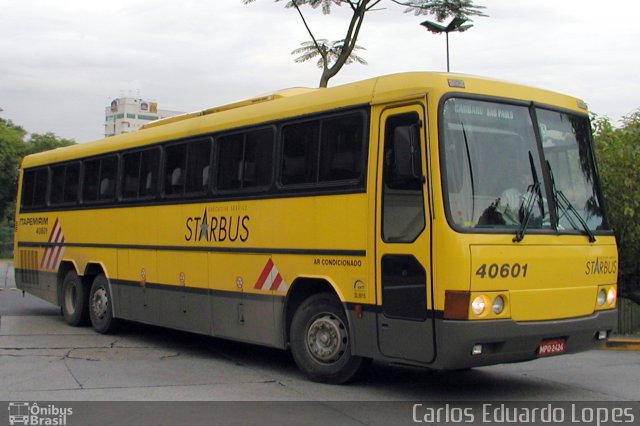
618,158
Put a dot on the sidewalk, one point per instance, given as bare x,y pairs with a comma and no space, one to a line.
623,343
6,275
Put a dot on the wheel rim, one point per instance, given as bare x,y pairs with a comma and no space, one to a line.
327,338
70,299
100,303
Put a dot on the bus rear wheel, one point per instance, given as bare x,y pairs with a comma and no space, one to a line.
100,306
74,300
320,341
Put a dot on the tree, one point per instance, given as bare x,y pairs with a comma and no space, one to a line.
618,155
46,142
11,150
334,55
325,49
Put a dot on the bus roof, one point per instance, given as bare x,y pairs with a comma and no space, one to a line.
293,102
251,101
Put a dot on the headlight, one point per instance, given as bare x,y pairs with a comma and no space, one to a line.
611,296
478,305
498,305
602,296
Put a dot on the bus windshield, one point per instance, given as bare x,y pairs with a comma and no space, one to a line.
565,142
495,176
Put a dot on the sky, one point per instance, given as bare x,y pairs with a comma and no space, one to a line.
62,62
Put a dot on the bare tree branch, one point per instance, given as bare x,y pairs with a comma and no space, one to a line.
304,21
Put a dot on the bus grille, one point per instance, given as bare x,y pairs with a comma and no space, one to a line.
28,266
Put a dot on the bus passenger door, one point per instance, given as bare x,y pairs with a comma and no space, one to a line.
405,322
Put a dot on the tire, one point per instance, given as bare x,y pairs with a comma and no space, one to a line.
320,341
101,306
74,300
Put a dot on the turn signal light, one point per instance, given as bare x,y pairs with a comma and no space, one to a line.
456,305
612,296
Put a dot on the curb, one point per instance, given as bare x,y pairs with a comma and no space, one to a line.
622,344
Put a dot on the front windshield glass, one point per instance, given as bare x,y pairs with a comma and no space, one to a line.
493,172
566,146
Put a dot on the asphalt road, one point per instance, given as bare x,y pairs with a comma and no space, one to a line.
44,359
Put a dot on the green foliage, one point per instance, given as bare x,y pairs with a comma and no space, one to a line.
443,9
6,233
618,155
46,142
331,49
13,147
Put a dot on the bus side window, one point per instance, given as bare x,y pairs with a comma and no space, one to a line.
230,149
300,153
40,195
99,179
64,184
258,159
175,162
149,166
130,175
28,188
323,151
341,148
245,160
90,182
198,157
108,173
403,215
139,175
71,183
34,188
57,185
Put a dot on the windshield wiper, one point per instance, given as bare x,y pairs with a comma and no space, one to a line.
527,209
562,202
473,190
533,192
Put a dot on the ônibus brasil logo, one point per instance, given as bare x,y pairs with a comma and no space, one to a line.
30,413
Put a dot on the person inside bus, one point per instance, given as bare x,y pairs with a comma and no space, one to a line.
177,181
508,208
510,204
514,201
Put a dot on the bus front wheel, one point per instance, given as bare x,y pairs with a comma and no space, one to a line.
100,306
320,341
74,300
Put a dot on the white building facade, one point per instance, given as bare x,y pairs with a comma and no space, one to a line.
126,115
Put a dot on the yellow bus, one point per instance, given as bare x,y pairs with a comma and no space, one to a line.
430,219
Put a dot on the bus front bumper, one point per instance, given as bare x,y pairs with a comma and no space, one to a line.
465,344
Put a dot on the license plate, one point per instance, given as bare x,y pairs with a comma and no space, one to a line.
551,347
